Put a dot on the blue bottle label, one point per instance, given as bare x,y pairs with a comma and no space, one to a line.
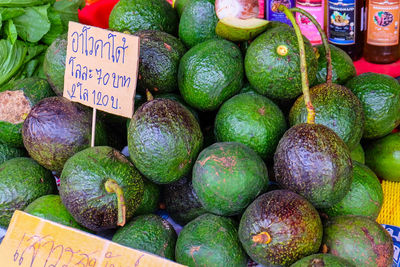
271,12
342,22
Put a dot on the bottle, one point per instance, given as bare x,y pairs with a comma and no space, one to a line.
315,8
382,44
277,15
345,26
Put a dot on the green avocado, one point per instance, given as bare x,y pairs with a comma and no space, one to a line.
343,68
54,63
22,180
227,177
253,120
210,73
272,64
164,139
365,197
359,240
181,201
383,157
136,15
180,5
317,260
160,54
16,103
337,108
313,161
149,233
380,97
56,129
279,228
178,98
197,23
8,152
94,181
151,198
51,208
357,154
210,240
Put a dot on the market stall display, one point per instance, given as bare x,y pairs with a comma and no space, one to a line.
249,137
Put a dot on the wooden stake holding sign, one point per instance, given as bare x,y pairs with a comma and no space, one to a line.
101,70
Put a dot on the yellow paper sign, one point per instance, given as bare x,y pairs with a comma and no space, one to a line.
101,69
33,242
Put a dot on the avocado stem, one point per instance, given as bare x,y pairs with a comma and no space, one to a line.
112,187
149,96
324,41
282,50
303,65
262,238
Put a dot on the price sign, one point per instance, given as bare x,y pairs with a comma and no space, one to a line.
33,242
101,69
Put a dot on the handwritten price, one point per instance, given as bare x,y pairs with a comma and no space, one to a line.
43,251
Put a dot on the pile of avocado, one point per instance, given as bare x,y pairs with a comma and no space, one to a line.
220,139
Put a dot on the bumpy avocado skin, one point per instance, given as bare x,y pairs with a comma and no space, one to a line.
83,191
56,129
150,233
160,54
313,161
317,260
210,240
337,108
135,15
273,75
290,220
359,240
22,180
164,139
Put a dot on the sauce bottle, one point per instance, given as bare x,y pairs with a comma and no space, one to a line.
277,15
345,26
382,44
315,8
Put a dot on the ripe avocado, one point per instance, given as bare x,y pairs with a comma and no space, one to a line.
89,181
178,98
54,63
7,152
164,139
313,161
365,197
151,198
321,260
181,4
51,208
16,103
197,23
22,180
279,228
343,68
337,108
149,233
380,97
227,177
276,75
210,73
136,15
181,201
56,129
382,157
210,240
160,54
359,240
253,120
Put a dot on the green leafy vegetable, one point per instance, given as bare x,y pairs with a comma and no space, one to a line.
11,31
68,11
9,13
56,27
34,24
11,58
24,3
